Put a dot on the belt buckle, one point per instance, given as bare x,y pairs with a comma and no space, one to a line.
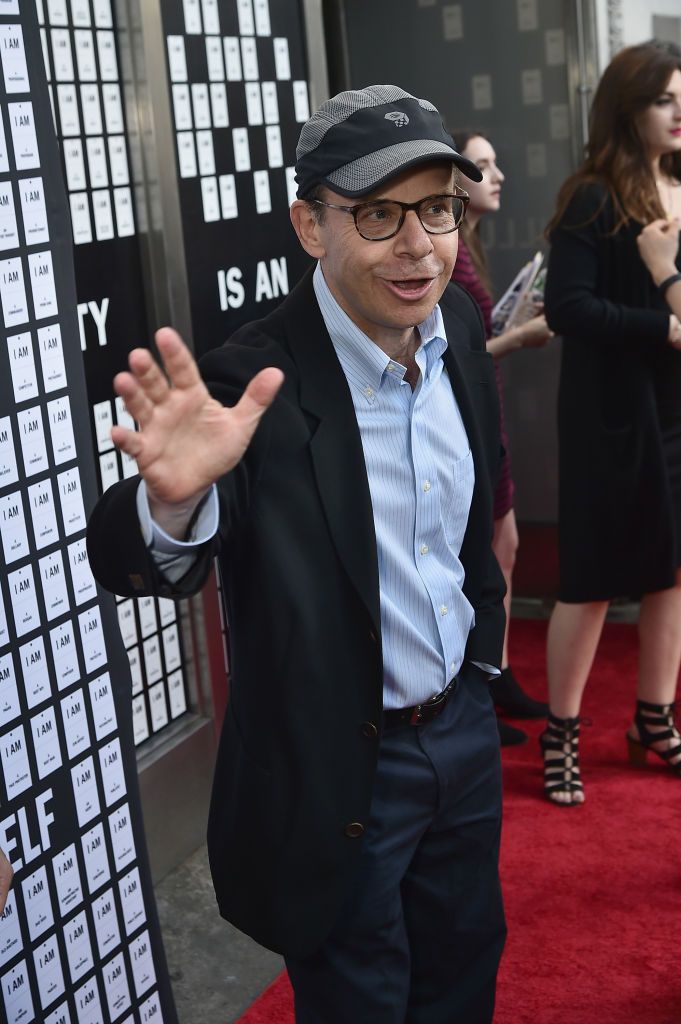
415,717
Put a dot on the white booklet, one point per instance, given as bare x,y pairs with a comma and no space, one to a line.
517,303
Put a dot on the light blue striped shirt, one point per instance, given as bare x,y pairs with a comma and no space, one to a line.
421,475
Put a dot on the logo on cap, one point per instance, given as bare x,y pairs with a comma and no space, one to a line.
398,117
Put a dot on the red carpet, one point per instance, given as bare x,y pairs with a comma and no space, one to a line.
593,894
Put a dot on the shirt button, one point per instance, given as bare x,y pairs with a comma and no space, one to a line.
443,609
424,549
390,367
369,392
354,830
426,485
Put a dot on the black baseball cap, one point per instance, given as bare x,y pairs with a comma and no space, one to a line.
360,139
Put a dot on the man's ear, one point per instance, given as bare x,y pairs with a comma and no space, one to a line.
307,227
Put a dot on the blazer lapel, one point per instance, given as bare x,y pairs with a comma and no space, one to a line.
335,446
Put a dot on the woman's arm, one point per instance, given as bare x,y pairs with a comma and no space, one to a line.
532,334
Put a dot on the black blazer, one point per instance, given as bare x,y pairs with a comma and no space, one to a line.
297,553
615,509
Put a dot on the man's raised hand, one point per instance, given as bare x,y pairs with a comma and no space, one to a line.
186,439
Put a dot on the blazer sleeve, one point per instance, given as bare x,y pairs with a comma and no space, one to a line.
573,301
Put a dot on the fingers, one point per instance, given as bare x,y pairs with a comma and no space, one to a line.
128,441
6,875
259,395
136,402
179,363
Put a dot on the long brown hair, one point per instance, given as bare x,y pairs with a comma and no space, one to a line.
471,236
615,155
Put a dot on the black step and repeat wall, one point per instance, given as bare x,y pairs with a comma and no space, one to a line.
79,939
237,73
86,55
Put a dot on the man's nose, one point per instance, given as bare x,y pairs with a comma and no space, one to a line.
413,238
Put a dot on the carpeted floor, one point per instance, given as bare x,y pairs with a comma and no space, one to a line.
593,894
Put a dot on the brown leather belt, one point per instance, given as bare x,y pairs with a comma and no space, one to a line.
419,714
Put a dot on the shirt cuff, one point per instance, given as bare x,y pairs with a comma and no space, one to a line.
157,540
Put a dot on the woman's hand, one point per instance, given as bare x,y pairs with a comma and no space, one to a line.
658,244
532,334
674,336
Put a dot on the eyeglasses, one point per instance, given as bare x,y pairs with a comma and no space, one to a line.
383,218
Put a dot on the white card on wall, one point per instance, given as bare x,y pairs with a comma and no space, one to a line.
103,215
300,102
97,870
9,709
62,55
177,59
35,672
67,103
78,946
15,766
64,655
8,459
246,20
201,105
103,417
32,436
24,600
108,470
192,17
43,514
210,199
228,201
205,152
53,578
34,212
14,69
142,963
559,120
122,839
76,730
211,17
92,114
146,606
52,357
37,902
232,58
270,102
84,782
9,236
103,15
113,110
554,40
275,156
48,971
249,59
262,17
282,63
140,725
80,13
116,986
182,107
254,103
152,659
482,92
186,154
171,648
85,55
13,292
528,15
106,51
113,776
158,709
126,622
132,901
67,880
452,22
176,694
88,1003
61,429
125,216
42,285
4,631
103,707
46,742
24,139
531,86
16,992
4,157
242,155
96,159
13,527
216,64
11,942
291,184
57,12
261,185
218,102
92,639
83,581
22,366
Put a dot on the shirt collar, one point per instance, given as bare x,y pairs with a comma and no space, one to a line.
364,363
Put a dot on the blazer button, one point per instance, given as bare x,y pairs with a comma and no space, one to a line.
369,730
373,636
354,830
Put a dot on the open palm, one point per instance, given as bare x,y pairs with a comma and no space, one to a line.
186,439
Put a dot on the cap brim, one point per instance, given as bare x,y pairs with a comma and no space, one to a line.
368,173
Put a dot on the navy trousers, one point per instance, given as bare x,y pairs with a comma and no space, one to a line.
420,938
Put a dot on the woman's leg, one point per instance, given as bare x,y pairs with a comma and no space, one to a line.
574,632
660,654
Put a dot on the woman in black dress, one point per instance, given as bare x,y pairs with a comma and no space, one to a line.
619,410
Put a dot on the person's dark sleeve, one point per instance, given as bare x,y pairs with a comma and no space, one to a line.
572,302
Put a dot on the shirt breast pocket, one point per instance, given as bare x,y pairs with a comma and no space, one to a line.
457,485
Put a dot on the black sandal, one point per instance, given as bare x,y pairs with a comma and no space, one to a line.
561,774
656,715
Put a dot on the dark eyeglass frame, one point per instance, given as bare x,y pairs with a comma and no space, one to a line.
406,207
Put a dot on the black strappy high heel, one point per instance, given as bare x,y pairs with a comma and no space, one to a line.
662,715
561,774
